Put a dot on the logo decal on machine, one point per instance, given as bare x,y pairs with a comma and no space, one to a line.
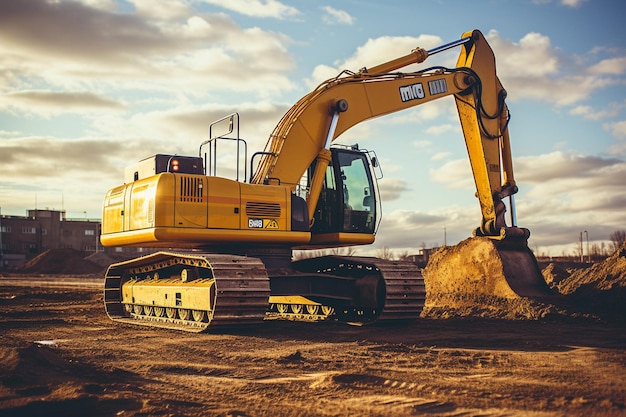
411,92
437,86
262,223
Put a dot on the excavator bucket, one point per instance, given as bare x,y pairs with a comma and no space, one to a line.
484,274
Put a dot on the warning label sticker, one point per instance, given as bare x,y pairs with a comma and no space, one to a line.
262,223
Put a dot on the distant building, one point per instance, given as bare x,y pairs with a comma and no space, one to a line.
422,256
24,237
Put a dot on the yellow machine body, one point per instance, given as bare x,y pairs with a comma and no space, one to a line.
186,210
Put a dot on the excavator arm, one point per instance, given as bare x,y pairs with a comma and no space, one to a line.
484,118
307,130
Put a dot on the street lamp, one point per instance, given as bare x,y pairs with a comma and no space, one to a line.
588,253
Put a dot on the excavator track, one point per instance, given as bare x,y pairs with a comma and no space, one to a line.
298,308
386,290
187,290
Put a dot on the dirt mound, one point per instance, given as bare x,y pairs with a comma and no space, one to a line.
61,261
32,366
554,274
477,278
599,289
102,259
73,389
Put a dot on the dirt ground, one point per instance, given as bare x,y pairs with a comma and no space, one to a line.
61,355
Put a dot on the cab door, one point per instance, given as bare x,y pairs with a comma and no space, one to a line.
347,202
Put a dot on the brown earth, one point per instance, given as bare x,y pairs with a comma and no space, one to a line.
61,355
61,261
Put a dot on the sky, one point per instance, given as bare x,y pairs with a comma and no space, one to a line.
88,87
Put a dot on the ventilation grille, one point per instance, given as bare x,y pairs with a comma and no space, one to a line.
258,209
191,189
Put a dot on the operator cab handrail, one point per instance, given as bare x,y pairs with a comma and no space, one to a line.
210,161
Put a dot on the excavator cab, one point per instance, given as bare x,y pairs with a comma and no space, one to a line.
347,203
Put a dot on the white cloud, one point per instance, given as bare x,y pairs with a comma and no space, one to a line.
612,66
441,129
561,193
568,3
444,107
587,112
554,209
335,16
83,48
617,129
162,9
572,3
47,103
411,229
84,168
181,128
379,50
99,4
422,143
549,78
454,174
392,188
257,8
552,77
546,169
441,155
513,57
53,165
566,177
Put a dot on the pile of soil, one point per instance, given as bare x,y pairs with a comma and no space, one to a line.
470,279
475,278
554,274
102,259
599,289
61,261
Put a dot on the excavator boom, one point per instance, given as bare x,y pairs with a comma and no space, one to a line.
351,98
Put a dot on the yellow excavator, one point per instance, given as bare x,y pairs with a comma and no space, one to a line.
234,238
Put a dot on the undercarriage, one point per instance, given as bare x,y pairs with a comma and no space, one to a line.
194,290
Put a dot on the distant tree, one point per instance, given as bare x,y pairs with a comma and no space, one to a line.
618,238
403,255
384,253
598,251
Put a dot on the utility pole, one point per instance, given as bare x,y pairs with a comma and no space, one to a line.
580,246
445,237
